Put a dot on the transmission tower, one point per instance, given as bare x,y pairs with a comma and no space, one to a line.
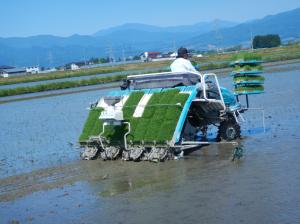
50,59
251,38
174,46
218,35
111,54
123,54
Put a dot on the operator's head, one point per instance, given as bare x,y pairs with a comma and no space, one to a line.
182,53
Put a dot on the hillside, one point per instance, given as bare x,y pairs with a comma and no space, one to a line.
132,39
128,39
285,24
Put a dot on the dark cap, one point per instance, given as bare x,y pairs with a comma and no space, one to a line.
182,52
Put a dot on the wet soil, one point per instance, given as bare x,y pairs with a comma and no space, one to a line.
42,179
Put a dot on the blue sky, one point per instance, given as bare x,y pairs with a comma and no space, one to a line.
67,17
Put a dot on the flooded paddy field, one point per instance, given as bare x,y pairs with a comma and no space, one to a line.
43,180
129,72
60,92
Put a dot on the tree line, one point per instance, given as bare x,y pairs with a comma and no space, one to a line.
266,41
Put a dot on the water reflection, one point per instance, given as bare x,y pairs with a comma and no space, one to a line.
40,133
204,187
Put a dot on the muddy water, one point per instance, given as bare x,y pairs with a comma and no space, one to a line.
204,187
42,132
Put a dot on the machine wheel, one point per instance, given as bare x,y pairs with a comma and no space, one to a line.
229,130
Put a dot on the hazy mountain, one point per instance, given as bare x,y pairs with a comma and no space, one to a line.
197,28
132,39
286,24
128,39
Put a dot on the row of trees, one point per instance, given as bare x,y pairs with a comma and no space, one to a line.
108,59
267,41
259,41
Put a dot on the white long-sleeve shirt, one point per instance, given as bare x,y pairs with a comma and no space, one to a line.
182,65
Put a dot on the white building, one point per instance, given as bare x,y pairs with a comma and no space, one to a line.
3,74
150,56
74,67
33,70
173,55
49,70
12,71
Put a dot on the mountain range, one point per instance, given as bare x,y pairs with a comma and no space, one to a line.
133,38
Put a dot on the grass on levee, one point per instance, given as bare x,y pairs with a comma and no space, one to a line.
63,85
80,72
59,85
218,60
58,75
281,53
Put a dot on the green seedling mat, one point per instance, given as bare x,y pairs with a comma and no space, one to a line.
157,123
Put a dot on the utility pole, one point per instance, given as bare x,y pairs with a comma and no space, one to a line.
218,35
251,36
123,54
37,61
111,54
84,55
174,46
50,59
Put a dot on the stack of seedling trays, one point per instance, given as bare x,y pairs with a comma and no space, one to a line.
247,78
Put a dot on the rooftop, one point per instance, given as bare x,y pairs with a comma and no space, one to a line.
6,67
